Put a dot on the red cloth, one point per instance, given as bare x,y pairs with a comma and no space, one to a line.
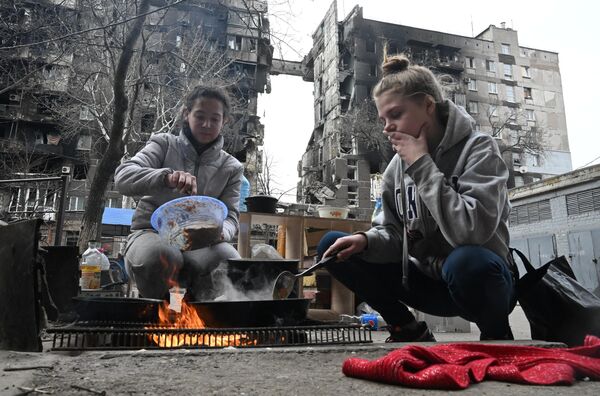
455,366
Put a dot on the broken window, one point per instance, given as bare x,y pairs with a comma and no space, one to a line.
84,141
490,66
49,72
525,71
251,44
39,137
79,172
85,114
470,62
527,93
234,43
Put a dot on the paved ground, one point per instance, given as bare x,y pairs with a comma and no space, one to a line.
290,371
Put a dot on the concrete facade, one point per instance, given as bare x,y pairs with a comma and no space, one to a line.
560,216
514,93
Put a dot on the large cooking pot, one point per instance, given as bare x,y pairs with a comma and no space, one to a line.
117,309
261,204
214,313
253,313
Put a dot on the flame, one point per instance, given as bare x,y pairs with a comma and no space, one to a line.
188,319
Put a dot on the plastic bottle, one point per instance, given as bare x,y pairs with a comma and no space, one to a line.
378,208
91,267
244,193
372,320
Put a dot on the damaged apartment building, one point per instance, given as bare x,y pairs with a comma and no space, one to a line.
39,81
513,92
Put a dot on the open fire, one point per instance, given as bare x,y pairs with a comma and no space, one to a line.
188,319
179,324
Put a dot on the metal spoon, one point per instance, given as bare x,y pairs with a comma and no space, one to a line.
284,284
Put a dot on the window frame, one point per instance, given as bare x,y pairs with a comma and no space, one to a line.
510,88
473,107
508,67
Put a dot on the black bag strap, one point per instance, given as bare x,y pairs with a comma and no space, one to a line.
533,275
526,263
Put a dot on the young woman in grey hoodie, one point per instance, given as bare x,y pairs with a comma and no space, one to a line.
172,166
440,244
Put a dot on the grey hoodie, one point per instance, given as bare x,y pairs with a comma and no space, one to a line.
218,175
455,196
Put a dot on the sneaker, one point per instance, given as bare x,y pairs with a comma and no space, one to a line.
412,333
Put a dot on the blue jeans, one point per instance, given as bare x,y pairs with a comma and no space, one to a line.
476,285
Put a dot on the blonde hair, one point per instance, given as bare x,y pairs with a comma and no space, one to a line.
399,76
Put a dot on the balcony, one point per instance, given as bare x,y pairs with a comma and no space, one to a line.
10,111
449,65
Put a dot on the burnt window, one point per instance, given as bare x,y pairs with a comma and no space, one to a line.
80,172
370,45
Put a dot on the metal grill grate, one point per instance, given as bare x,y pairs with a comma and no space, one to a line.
138,337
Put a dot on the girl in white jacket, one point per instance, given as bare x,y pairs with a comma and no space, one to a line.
440,244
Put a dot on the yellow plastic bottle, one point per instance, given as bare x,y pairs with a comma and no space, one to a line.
90,266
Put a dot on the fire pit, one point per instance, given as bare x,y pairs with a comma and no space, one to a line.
113,336
146,324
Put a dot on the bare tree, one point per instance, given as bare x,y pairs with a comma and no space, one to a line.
511,127
361,132
131,83
123,71
265,179
120,62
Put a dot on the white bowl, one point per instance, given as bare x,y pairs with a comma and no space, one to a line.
333,212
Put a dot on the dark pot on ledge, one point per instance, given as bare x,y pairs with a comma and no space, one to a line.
261,203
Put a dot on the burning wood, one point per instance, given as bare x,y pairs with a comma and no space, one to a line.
188,318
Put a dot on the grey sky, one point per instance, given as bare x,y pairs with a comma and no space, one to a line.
570,28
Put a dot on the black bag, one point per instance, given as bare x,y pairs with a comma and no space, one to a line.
557,307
